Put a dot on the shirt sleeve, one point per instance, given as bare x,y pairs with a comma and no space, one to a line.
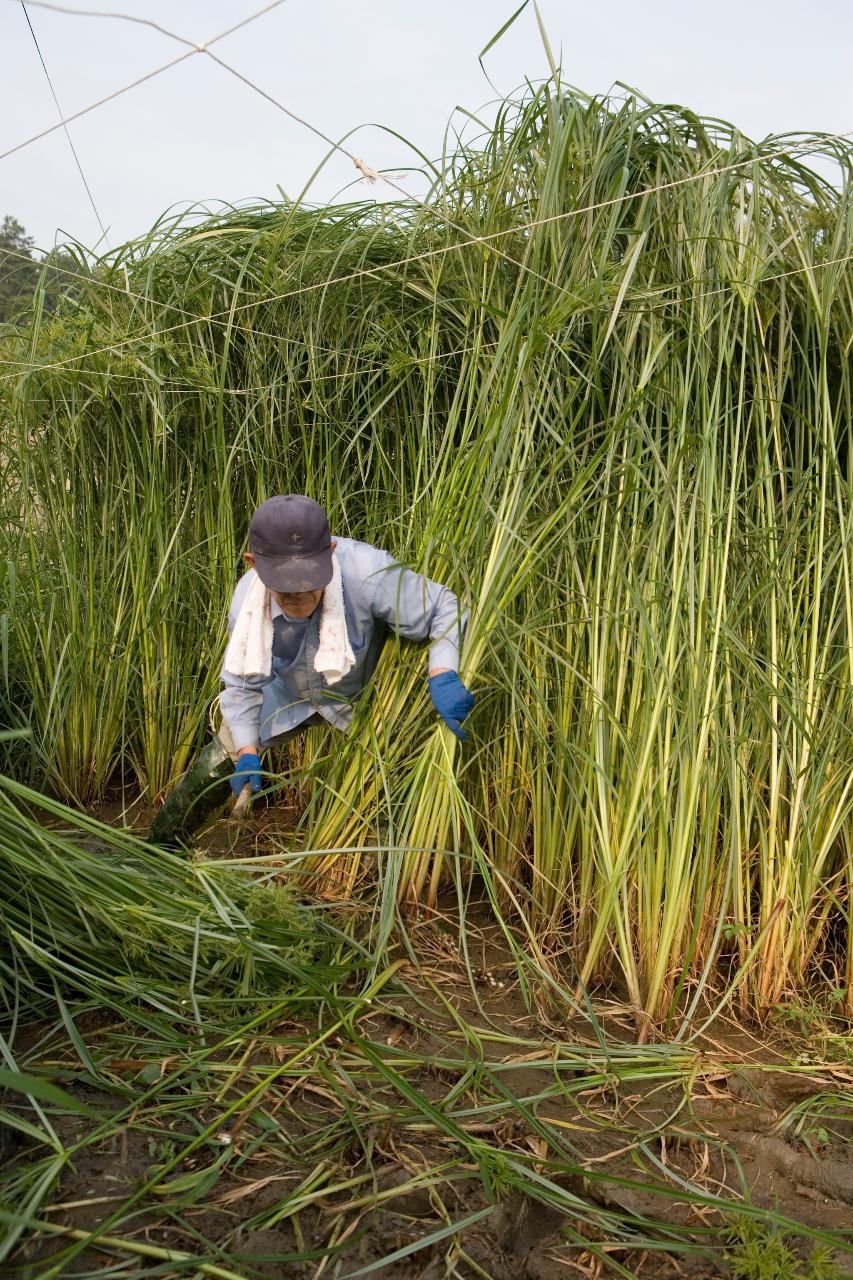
242,696
417,608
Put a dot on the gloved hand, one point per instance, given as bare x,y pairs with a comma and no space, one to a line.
247,769
451,700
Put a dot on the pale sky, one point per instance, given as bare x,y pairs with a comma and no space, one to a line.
196,134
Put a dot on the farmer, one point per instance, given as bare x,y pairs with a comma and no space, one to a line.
306,625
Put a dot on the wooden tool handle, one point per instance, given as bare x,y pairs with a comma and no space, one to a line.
242,804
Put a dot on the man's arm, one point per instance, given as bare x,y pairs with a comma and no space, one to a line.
241,698
240,704
417,608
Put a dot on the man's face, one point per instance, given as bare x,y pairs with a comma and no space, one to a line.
297,604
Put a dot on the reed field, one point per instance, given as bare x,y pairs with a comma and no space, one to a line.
598,382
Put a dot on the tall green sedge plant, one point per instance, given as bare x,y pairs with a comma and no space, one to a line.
600,384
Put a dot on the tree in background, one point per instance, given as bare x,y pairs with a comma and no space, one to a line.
21,271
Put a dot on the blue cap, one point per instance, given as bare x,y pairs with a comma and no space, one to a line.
290,539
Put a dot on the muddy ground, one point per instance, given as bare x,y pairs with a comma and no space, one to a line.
759,1114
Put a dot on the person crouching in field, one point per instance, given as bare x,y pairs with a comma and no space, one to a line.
307,624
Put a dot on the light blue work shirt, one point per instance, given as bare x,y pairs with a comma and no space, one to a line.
380,595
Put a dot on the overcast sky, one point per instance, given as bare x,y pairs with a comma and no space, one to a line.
195,133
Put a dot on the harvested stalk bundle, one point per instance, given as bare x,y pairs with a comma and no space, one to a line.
96,911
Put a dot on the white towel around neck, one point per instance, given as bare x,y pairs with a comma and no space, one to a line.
249,652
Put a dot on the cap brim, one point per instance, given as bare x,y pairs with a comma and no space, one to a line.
295,573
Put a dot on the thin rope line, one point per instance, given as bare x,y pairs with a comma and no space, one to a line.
149,75
417,362
65,126
194,316
201,317
149,22
372,174
181,385
293,116
440,251
101,13
364,169
100,103
744,284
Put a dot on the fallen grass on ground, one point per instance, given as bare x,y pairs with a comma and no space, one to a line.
335,1121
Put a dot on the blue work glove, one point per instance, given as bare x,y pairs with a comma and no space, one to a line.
247,769
452,700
